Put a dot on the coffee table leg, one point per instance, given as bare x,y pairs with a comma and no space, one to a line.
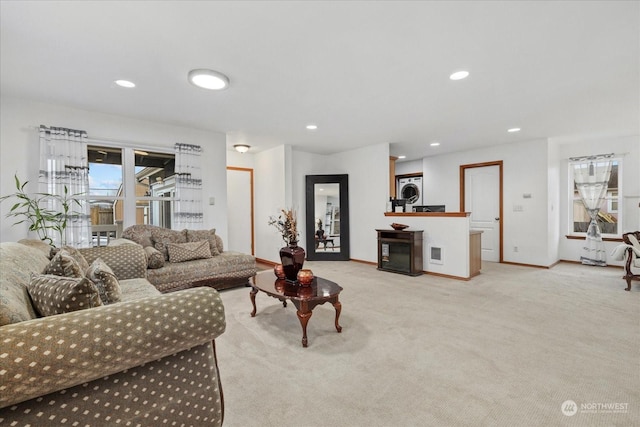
338,306
304,317
252,295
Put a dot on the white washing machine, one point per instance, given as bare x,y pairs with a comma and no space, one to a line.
411,190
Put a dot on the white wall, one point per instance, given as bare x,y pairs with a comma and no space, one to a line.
19,150
411,166
524,171
629,147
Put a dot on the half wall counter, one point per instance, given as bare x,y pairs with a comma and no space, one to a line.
450,247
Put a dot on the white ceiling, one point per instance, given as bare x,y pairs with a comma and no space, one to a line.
364,72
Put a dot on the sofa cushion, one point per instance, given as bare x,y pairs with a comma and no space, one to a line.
208,235
181,252
126,261
17,262
140,233
53,294
107,283
163,236
228,265
63,264
219,244
38,244
155,258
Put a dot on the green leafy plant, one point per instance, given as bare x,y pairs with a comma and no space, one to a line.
43,221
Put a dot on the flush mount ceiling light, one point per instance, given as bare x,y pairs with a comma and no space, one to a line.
208,79
459,75
241,148
434,144
312,127
402,157
513,130
125,83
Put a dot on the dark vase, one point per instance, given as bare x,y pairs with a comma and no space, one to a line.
292,258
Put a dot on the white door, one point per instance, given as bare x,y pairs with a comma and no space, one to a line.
482,199
240,207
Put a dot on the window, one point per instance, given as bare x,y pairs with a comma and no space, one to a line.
609,216
129,186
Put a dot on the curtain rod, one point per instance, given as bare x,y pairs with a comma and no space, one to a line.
115,143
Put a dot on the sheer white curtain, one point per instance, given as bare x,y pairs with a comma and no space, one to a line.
591,175
188,204
64,173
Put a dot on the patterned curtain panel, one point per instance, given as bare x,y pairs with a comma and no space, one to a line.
188,205
591,175
64,173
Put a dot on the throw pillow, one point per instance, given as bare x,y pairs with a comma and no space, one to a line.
107,283
41,245
77,256
163,236
63,264
208,235
56,295
155,259
180,252
219,243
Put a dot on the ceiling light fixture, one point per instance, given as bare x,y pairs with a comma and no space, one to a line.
125,83
459,75
208,79
402,157
141,153
241,148
513,130
312,127
434,144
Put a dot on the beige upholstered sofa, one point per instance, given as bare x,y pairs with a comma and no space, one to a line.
224,269
148,360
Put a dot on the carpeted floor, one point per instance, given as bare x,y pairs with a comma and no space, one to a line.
507,348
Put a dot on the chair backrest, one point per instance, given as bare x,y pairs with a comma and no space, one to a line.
626,237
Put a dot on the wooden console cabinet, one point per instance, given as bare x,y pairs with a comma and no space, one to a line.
400,251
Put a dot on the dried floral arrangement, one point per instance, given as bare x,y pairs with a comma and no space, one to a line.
287,224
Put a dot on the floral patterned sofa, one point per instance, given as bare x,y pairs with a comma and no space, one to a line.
146,360
220,269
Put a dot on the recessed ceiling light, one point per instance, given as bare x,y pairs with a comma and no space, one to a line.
208,79
459,75
434,144
402,157
312,127
125,83
513,130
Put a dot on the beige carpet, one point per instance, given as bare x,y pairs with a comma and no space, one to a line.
504,349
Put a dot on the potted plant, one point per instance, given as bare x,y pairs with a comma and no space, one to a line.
43,221
292,256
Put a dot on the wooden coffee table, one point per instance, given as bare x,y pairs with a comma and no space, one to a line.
304,298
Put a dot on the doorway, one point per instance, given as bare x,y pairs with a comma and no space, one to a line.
240,210
481,194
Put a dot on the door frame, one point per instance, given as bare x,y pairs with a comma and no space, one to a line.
463,169
253,238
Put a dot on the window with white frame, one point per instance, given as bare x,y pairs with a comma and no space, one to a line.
130,186
609,216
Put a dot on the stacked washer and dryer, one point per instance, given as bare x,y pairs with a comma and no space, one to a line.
410,189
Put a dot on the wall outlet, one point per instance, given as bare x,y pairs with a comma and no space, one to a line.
515,249
212,200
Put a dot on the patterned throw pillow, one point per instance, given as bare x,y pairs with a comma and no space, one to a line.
208,235
77,256
155,259
56,295
107,283
180,252
163,236
63,264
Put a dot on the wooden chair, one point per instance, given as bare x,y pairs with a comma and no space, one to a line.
633,256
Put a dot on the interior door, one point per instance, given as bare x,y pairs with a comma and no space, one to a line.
482,199
240,210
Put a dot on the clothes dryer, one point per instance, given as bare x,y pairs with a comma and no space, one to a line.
410,188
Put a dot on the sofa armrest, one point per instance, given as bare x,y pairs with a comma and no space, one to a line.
44,355
126,261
